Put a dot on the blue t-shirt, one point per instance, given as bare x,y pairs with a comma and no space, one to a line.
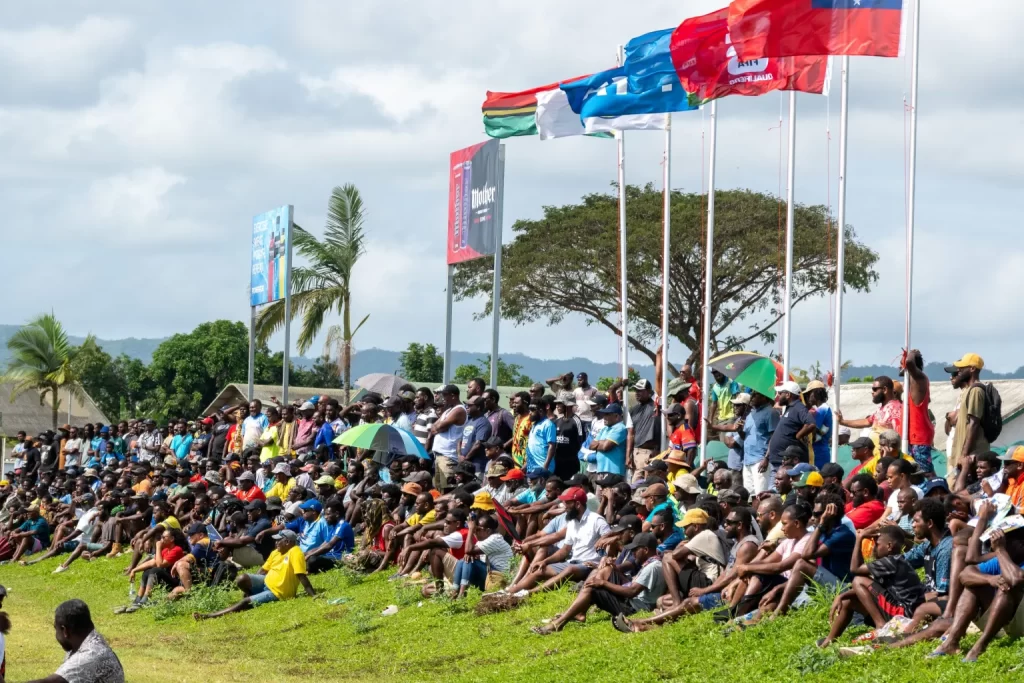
313,534
670,543
180,444
823,436
325,437
613,461
542,435
936,563
757,429
556,524
840,542
344,540
796,418
529,496
476,429
40,528
991,567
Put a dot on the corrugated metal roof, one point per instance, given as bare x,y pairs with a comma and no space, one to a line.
856,402
28,415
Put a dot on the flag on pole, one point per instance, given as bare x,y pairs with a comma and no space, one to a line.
604,102
707,64
791,28
540,111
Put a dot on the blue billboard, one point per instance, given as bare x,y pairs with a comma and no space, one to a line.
271,256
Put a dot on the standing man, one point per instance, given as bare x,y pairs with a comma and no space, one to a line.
793,428
720,409
502,422
426,416
87,656
253,426
305,430
543,440
816,398
447,434
756,432
645,433
889,414
521,425
570,435
476,432
921,430
475,387
584,393
969,437
73,449
560,383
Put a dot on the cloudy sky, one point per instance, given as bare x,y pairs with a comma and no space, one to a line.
138,139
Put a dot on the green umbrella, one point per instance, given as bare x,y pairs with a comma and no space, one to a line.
752,370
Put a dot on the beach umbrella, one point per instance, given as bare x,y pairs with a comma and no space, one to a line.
384,439
381,383
752,370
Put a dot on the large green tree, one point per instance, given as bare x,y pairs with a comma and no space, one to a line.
42,359
422,363
567,262
188,370
324,285
509,374
95,368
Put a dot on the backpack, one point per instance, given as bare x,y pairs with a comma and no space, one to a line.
992,418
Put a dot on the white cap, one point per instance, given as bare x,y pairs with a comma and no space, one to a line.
293,509
790,386
743,399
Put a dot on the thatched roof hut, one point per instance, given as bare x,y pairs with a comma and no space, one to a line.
27,414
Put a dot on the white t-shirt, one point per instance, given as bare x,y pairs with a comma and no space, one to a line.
497,552
453,540
894,505
790,546
581,535
85,522
652,578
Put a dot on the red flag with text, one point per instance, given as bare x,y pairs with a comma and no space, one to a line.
707,64
790,28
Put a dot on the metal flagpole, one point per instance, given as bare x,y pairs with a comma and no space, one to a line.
252,351
708,275
665,259
910,209
448,327
620,137
837,344
287,306
496,297
788,329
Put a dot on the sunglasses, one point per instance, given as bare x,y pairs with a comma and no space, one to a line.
875,390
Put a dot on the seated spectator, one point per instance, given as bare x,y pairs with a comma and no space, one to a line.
885,588
864,508
278,579
604,589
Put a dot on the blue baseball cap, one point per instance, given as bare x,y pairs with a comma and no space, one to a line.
933,484
312,504
538,474
104,430
799,470
611,409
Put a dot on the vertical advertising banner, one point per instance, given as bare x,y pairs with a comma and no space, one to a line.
474,195
271,245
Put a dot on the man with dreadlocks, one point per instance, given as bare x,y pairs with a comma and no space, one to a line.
375,539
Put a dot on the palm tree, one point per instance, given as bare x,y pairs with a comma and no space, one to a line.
41,357
323,286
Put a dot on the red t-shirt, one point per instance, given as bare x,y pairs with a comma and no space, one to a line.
254,493
172,554
865,515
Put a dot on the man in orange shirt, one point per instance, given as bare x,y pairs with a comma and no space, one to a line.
1013,472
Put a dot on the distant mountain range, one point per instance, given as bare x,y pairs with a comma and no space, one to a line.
381,360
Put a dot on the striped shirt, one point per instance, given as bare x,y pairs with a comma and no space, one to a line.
421,428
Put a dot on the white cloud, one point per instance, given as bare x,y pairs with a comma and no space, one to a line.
59,53
135,198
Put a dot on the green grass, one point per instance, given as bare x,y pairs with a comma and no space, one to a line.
438,640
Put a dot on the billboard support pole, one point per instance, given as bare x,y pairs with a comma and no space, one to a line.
496,291
448,327
252,351
287,305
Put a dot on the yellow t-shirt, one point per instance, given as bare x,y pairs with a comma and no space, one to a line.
416,519
283,572
271,449
281,490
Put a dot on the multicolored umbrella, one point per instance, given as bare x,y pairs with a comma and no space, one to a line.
760,373
384,439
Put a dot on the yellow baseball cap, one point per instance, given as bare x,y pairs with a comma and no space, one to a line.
970,360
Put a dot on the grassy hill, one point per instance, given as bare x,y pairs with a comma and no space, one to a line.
341,636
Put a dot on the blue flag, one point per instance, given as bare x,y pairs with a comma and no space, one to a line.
649,62
607,94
